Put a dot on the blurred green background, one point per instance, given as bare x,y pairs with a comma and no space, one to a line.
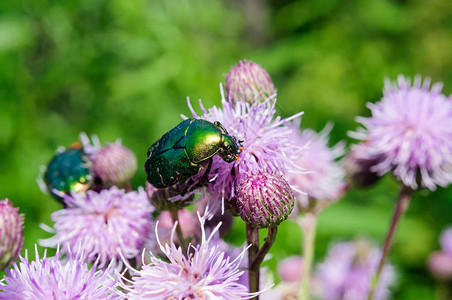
123,69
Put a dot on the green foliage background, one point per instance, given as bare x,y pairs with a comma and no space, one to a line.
124,68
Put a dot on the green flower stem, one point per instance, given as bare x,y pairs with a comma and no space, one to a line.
175,216
308,224
269,240
252,237
402,205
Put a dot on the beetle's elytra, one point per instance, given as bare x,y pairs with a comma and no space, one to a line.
68,171
181,152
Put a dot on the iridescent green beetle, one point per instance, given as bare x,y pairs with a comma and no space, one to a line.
68,171
183,151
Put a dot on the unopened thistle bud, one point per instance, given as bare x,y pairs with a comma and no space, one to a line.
248,82
114,164
264,199
11,233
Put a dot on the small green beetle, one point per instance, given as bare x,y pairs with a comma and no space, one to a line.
181,152
68,171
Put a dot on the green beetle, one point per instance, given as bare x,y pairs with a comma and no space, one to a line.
68,171
181,152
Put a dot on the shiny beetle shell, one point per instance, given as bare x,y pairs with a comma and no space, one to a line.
68,171
181,152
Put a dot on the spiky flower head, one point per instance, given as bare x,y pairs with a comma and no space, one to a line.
440,262
114,164
347,271
204,272
248,82
267,145
410,134
103,224
56,278
11,233
323,182
264,199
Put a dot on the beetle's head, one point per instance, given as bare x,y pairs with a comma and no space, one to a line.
230,149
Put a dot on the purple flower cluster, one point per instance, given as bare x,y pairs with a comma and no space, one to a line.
57,278
267,144
347,271
323,182
204,272
103,224
409,133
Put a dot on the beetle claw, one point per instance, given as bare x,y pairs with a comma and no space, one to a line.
237,157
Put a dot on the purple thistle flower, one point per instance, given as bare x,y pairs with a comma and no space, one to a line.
205,272
264,199
440,262
11,233
410,134
267,143
347,271
248,82
103,224
55,278
323,183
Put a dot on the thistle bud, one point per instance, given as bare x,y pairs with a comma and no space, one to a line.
114,164
264,199
248,82
11,233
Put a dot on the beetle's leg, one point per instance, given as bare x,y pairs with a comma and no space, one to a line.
206,173
194,185
219,125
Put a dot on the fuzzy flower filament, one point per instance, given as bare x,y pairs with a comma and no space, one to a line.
204,272
267,144
323,182
410,134
347,271
103,224
56,278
